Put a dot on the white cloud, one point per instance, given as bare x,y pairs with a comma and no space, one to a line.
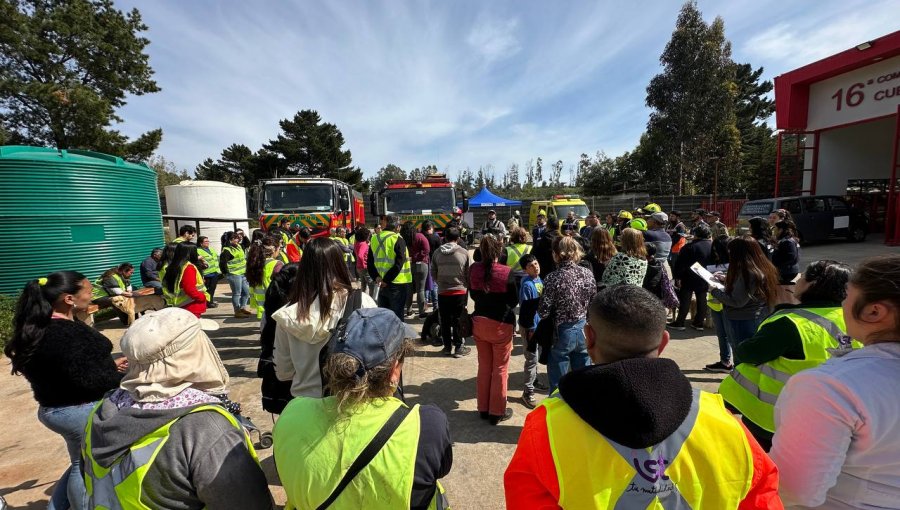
494,39
818,32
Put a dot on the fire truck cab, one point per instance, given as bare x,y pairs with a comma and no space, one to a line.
432,198
316,203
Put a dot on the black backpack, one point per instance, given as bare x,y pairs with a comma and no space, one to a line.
354,302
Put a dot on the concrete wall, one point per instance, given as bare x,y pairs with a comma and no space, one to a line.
862,151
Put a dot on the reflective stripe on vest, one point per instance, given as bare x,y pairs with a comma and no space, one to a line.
212,260
683,471
238,263
382,247
753,389
119,487
514,252
258,292
178,297
282,256
307,425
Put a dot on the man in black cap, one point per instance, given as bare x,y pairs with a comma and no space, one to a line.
697,220
493,226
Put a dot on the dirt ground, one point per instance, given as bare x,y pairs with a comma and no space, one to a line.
32,458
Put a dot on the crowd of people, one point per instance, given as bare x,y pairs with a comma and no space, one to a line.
796,422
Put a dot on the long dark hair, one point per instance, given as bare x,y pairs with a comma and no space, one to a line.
184,253
328,274
747,261
490,249
827,281
408,233
759,228
788,229
260,251
33,314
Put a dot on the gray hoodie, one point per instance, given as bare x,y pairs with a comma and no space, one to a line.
204,463
450,267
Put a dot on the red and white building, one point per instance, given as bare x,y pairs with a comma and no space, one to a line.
839,130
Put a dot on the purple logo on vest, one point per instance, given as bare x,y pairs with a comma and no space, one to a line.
652,470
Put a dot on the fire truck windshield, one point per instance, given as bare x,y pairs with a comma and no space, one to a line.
411,200
298,197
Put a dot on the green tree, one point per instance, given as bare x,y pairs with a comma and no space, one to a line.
66,67
166,173
512,178
386,173
758,145
308,146
465,181
693,102
529,175
539,172
556,173
419,174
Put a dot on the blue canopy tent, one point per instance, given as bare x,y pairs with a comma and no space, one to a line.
485,198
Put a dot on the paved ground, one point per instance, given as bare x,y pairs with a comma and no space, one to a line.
32,457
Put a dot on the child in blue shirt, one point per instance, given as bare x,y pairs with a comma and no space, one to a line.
529,296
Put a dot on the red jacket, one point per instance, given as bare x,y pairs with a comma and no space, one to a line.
531,483
189,286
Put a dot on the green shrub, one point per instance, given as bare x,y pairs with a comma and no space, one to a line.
7,312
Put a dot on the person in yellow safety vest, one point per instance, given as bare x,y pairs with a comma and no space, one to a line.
623,219
388,265
794,338
164,438
113,288
183,285
516,247
233,264
211,273
631,432
262,262
411,449
185,234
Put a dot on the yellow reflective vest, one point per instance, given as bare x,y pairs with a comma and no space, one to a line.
707,463
119,486
754,389
177,296
238,263
98,291
514,252
258,292
211,258
312,454
382,246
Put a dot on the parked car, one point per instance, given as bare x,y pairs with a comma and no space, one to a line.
818,217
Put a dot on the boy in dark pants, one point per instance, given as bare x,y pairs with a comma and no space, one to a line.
529,297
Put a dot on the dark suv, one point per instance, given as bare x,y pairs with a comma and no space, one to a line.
818,217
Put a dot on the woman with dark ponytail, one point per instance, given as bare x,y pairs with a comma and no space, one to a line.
67,363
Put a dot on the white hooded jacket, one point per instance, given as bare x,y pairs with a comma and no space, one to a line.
297,344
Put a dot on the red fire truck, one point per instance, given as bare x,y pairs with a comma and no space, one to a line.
317,203
432,198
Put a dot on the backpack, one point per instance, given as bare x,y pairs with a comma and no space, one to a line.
354,302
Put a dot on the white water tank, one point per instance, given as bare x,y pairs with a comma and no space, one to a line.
208,199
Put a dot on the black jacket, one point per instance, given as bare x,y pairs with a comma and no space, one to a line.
543,251
698,251
786,259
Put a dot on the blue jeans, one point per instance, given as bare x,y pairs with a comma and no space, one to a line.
69,422
393,297
569,352
718,319
156,285
741,330
240,291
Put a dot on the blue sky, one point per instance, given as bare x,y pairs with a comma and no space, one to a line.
454,83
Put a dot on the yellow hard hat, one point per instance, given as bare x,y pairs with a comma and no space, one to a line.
625,214
638,224
652,208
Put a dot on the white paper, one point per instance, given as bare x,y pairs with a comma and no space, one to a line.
706,275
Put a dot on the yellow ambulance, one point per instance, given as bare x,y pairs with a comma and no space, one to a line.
559,206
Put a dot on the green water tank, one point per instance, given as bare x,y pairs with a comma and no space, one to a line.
76,210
